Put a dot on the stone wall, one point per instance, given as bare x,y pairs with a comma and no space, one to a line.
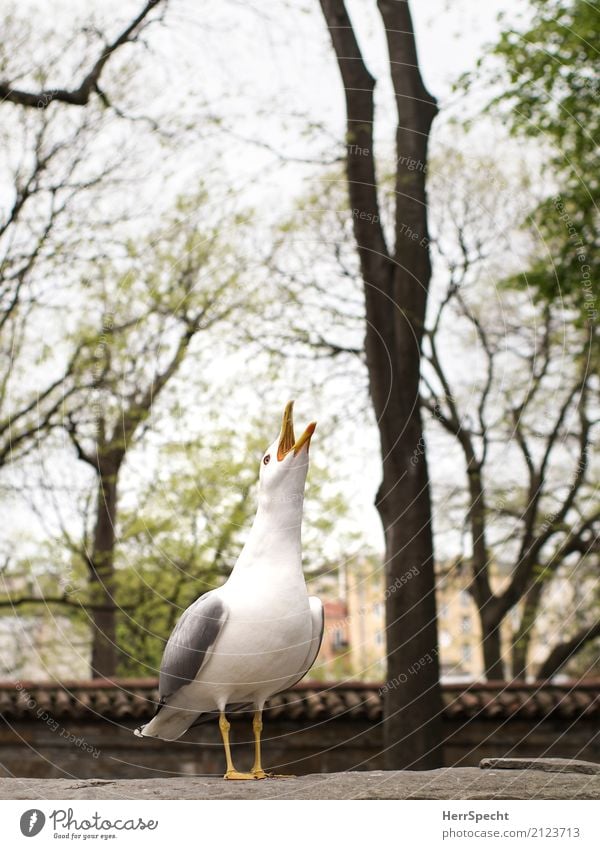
109,749
84,729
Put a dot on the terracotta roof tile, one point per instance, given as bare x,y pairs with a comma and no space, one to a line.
355,704
134,699
593,708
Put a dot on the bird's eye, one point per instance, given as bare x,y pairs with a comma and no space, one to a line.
266,459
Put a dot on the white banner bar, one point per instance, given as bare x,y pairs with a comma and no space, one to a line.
351,824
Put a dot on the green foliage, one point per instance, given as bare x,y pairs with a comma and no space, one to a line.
551,68
551,87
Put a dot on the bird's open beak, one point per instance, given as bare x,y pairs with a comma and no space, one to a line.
287,440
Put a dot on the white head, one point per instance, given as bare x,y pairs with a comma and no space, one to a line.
284,465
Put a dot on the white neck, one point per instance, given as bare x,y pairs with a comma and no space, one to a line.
275,536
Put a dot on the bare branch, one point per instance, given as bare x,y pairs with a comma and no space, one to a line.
563,652
64,601
71,429
79,96
532,544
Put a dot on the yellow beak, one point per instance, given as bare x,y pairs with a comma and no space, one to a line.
287,440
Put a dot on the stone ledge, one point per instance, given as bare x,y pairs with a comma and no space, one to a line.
452,783
543,764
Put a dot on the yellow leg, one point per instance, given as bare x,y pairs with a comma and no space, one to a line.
257,769
257,727
231,773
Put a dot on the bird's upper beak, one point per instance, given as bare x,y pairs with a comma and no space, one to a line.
287,440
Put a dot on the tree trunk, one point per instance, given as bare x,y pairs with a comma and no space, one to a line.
396,285
101,564
492,648
520,650
412,730
522,638
412,733
490,615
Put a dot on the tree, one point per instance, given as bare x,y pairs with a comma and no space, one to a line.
55,172
523,418
143,319
49,180
549,92
476,241
524,526
70,155
396,284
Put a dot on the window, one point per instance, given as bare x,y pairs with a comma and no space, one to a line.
467,654
466,625
338,640
445,639
379,638
465,598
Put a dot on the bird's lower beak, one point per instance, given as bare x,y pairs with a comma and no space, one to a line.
287,440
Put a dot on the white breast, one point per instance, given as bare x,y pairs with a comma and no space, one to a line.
265,641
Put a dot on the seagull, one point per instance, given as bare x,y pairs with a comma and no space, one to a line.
260,632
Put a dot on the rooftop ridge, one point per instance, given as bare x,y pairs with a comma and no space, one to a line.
126,699
152,683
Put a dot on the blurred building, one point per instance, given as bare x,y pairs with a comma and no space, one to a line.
37,643
354,638
43,647
459,629
334,662
354,633
364,586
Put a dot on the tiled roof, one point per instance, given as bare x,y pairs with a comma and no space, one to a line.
134,698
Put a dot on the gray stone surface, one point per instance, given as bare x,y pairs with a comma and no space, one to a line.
457,783
543,764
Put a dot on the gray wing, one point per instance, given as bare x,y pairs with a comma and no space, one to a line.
318,621
193,636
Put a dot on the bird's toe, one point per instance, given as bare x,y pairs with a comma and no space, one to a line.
234,775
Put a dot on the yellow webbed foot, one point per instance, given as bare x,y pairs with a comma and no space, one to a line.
260,773
234,775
